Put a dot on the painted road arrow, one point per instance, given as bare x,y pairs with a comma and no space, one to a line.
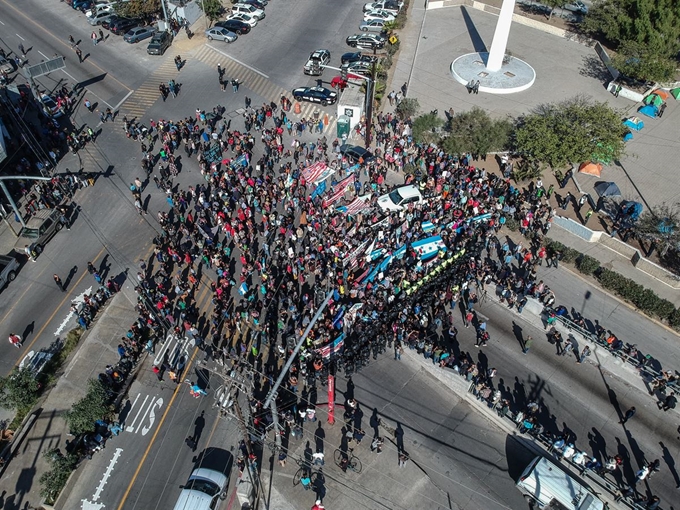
79,299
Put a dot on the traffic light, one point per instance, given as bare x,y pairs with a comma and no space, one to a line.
343,71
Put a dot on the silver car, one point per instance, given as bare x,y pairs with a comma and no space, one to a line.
220,34
373,25
134,35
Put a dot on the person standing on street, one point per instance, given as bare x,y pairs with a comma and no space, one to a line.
59,283
404,88
235,84
94,38
15,340
527,344
584,354
79,52
22,50
101,35
629,414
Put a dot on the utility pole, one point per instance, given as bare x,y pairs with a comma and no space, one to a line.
271,398
370,88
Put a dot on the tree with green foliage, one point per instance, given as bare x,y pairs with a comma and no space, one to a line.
53,481
19,390
476,132
645,33
553,4
407,108
138,8
92,407
571,131
425,128
660,226
213,9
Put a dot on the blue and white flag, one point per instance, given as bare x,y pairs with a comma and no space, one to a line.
319,190
243,289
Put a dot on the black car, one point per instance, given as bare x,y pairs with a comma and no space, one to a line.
234,25
370,41
121,26
159,43
255,3
356,56
319,95
356,152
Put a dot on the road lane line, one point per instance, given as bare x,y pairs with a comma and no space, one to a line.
51,317
126,494
1,23
124,424
43,55
237,60
122,100
20,37
62,43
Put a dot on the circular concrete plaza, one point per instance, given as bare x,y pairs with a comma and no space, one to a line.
564,69
514,76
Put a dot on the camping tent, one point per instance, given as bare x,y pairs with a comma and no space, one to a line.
661,93
607,189
634,123
653,99
675,93
590,168
631,209
627,136
649,111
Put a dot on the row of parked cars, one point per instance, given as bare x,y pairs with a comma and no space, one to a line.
243,17
376,15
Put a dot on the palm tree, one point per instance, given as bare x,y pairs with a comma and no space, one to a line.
660,226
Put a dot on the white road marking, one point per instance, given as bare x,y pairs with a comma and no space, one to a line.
78,299
107,474
131,428
152,416
43,55
131,408
1,23
91,506
20,37
122,100
95,95
237,61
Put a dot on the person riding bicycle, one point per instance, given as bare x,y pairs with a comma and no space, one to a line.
344,461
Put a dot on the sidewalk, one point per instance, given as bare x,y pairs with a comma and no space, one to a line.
19,483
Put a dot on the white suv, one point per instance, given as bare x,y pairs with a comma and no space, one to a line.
399,198
248,9
202,490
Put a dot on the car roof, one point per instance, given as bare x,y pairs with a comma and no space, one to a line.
39,217
209,474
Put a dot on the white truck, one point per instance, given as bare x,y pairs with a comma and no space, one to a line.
9,266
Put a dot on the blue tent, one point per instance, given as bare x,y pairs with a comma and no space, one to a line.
649,110
627,136
634,123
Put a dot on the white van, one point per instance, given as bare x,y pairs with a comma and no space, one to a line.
552,487
203,490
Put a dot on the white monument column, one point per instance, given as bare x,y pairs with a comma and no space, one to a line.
500,36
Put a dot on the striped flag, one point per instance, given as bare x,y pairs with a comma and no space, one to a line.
312,172
357,205
335,196
344,184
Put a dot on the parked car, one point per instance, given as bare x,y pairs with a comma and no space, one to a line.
356,152
381,15
371,41
387,5
121,26
360,67
356,56
160,42
245,18
260,4
9,266
83,5
576,6
5,65
50,107
319,95
220,34
248,9
316,60
234,26
98,18
202,490
139,34
373,25
39,230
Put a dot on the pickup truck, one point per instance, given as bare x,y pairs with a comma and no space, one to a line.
9,266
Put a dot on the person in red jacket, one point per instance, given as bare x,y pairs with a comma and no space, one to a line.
318,505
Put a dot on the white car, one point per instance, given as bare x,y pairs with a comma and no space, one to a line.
50,107
202,490
251,10
373,25
388,5
381,15
399,198
100,17
249,20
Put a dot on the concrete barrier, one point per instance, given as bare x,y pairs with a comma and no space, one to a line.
656,271
577,229
619,246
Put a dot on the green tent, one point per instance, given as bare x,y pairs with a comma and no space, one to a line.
654,99
675,93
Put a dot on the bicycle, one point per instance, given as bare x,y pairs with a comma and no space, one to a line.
305,476
346,461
